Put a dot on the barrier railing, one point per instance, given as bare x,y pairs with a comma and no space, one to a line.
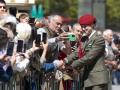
37,82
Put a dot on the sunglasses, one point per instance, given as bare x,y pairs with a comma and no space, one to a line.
3,7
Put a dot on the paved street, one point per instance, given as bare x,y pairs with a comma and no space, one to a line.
116,87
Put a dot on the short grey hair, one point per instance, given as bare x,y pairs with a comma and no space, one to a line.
106,32
76,24
52,17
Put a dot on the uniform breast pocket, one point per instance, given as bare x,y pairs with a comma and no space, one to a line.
88,47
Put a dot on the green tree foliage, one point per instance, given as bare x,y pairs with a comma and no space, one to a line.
113,11
64,7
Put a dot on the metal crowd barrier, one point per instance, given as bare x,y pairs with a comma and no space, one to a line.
36,82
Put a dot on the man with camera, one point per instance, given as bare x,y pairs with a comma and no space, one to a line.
52,29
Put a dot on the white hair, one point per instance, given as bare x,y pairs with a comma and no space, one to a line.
106,32
52,17
75,25
23,31
10,18
7,18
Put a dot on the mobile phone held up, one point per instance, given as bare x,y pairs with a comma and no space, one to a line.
10,48
20,46
38,40
44,37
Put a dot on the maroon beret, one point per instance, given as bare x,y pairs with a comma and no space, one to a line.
87,20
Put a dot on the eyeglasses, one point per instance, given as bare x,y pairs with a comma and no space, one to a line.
3,7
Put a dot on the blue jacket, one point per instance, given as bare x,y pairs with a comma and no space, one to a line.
48,67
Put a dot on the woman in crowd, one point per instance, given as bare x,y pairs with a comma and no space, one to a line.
24,34
5,66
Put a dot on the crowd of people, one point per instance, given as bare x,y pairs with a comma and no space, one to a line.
54,51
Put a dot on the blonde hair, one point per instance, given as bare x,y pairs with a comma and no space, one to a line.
23,15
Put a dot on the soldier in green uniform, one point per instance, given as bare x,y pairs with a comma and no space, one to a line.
95,75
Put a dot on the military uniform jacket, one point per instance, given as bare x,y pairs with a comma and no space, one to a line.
95,72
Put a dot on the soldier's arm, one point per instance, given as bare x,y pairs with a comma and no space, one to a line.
96,51
71,57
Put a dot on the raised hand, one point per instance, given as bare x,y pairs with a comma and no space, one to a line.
111,64
2,56
63,36
59,64
45,45
34,46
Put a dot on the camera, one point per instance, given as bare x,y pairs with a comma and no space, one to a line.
44,37
41,36
71,37
38,39
20,46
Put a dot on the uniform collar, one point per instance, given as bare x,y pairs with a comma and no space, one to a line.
92,34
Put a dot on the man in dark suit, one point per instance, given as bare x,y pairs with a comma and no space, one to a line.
95,75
